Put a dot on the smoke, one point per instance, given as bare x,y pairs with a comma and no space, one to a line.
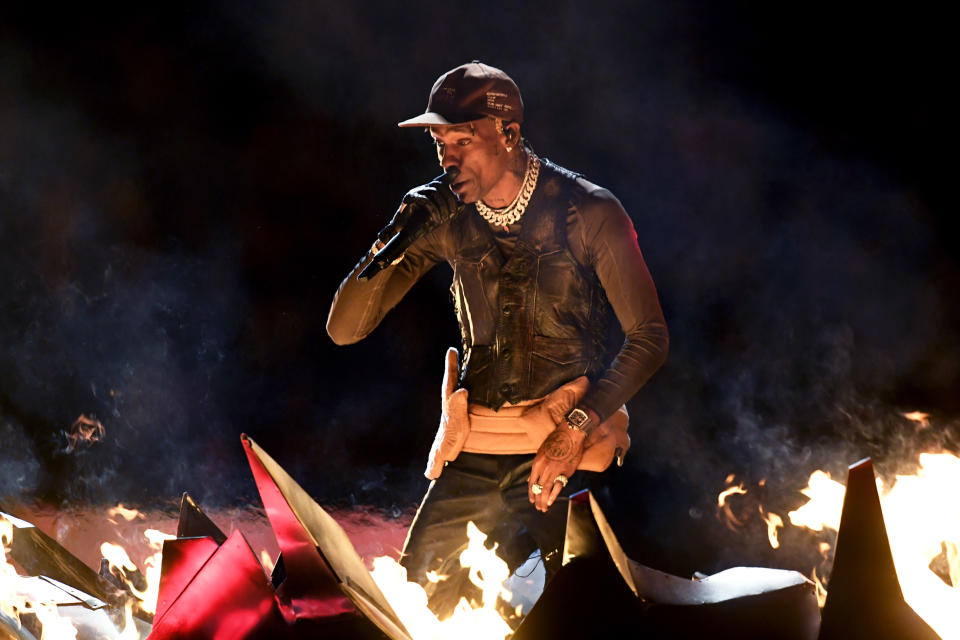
181,198
166,275
102,317
20,471
145,351
795,281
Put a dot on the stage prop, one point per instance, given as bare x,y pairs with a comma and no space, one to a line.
213,587
600,592
91,603
864,598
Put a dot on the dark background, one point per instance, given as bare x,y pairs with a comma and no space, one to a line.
182,189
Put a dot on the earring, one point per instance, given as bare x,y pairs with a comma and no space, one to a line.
509,148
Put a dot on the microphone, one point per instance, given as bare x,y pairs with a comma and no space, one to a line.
413,228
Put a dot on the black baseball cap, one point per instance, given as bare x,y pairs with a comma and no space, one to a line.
470,92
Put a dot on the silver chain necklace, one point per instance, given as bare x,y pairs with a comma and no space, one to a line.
515,210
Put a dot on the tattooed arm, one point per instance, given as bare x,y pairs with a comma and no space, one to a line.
559,454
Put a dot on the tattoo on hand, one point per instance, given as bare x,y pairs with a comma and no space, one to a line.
559,446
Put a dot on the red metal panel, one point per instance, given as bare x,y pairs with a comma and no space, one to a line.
229,598
310,587
182,560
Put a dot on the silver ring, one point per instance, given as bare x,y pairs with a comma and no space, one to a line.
562,479
536,489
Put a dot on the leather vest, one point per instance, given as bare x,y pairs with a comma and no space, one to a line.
534,321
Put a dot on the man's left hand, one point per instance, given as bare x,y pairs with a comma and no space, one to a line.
559,455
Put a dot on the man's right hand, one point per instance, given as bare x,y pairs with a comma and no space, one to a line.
435,197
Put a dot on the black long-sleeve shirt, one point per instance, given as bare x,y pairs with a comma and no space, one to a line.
600,236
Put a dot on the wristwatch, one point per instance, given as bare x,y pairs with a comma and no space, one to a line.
578,419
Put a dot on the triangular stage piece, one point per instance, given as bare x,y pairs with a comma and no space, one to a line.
182,560
741,603
41,555
228,597
310,586
60,580
863,595
194,523
318,556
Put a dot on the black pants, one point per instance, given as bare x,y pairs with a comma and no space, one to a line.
491,491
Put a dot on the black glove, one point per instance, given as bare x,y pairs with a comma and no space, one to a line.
421,210
435,198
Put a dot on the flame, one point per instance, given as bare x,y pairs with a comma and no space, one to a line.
16,598
54,627
774,522
118,558
920,418
821,590
729,517
922,516
722,498
10,600
152,564
129,626
409,600
487,570
266,561
127,514
83,432
14,601
825,505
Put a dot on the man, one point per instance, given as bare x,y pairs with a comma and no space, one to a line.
542,260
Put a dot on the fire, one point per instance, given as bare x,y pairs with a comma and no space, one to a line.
14,598
730,518
921,419
83,432
774,522
17,597
127,514
10,599
825,505
922,516
266,562
149,597
54,627
722,498
487,570
468,621
118,558
821,589
129,626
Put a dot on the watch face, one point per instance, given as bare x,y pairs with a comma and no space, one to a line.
577,418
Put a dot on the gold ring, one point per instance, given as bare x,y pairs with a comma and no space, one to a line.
536,489
562,479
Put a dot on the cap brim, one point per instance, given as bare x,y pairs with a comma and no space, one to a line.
433,119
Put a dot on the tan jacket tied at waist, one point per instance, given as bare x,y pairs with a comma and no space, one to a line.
520,428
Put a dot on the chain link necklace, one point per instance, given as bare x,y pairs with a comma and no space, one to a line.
515,210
